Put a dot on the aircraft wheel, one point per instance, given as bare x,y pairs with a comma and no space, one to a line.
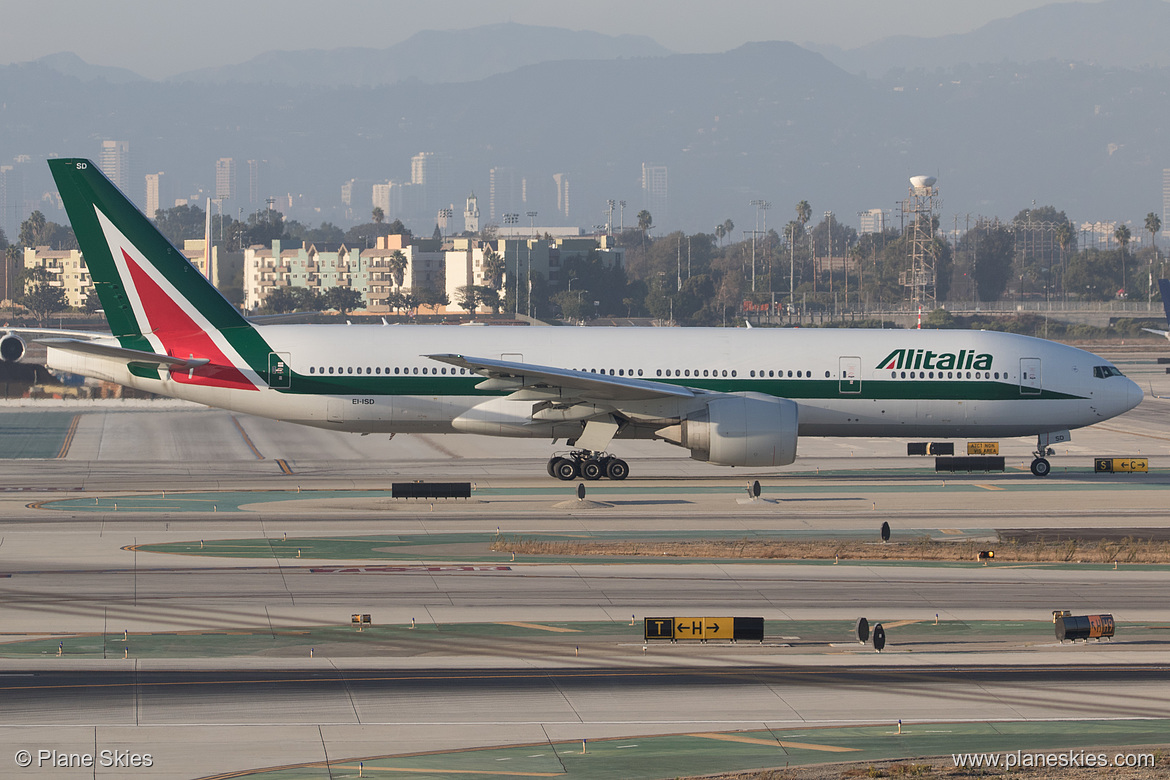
617,469
590,469
1041,467
564,469
552,462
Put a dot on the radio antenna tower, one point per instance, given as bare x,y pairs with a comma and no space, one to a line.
918,210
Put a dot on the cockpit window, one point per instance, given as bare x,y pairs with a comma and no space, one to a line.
1104,372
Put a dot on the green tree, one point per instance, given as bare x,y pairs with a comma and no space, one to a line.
343,299
38,231
1123,236
180,223
307,299
493,268
467,298
991,245
429,296
489,296
279,300
378,215
396,263
645,222
1153,225
39,295
720,232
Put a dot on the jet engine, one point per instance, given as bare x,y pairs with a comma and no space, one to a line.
11,348
740,430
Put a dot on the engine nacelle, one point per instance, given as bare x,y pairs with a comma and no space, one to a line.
740,430
11,348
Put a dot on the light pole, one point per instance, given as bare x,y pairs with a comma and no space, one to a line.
761,206
528,261
829,224
622,217
512,219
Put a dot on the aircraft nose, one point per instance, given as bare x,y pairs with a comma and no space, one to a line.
1134,395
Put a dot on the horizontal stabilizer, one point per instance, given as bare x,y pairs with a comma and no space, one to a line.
121,353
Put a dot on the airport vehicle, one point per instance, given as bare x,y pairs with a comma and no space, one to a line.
734,397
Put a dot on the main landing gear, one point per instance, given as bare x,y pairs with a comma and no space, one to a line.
1040,466
588,465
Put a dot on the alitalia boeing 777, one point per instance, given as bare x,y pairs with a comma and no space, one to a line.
734,397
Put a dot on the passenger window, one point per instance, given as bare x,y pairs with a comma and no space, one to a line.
416,369
659,372
704,372
639,372
312,370
621,372
349,370
826,375
753,373
997,375
798,375
733,372
687,372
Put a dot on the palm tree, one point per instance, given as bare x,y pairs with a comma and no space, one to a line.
396,263
728,226
1065,235
493,268
645,222
1122,235
1153,225
720,232
378,214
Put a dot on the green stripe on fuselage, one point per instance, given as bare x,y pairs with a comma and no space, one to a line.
796,389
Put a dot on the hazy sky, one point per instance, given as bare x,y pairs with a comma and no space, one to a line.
157,39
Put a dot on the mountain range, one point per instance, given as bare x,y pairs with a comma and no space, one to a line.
768,120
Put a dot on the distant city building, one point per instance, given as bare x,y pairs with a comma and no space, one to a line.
225,179
471,215
1166,198
872,221
69,272
655,190
428,173
115,163
507,193
11,201
256,171
154,199
321,266
562,183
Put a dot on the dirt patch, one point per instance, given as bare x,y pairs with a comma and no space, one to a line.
1067,550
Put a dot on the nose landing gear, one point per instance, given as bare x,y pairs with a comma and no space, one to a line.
587,465
1040,466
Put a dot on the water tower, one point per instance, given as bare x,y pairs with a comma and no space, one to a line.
919,209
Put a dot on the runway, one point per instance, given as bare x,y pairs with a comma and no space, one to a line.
156,547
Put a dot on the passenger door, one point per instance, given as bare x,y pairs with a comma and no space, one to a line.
1030,383
850,375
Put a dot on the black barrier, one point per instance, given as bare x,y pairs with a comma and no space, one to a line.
885,532
749,629
969,463
879,638
1085,627
430,490
930,448
862,630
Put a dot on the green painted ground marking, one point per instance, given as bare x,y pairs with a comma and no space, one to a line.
476,548
232,501
33,434
400,640
685,755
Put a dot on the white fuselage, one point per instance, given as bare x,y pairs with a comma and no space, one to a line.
918,383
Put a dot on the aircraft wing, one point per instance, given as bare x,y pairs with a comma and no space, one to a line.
72,334
121,353
584,384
